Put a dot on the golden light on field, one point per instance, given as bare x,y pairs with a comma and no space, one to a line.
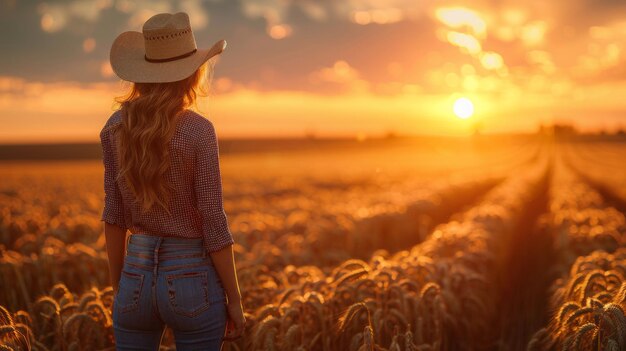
463,108
377,162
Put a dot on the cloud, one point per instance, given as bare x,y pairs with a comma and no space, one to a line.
358,11
341,72
56,17
460,18
275,14
340,75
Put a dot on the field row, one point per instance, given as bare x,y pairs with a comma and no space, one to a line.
588,299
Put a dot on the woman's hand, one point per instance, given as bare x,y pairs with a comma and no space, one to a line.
236,321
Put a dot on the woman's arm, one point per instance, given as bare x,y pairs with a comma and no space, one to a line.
218,240
116,247
113,213
224,262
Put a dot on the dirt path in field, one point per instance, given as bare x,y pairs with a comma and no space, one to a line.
525,265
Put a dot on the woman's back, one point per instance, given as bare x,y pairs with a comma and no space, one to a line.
196,204
162,182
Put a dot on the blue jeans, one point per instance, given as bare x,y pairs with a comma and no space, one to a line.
168,281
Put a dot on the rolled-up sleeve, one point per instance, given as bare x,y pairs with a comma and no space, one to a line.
208,188
113,206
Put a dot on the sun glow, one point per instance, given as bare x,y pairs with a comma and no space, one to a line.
463,108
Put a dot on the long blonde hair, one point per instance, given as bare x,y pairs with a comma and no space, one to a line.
150,112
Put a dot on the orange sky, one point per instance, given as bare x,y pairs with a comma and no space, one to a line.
331,68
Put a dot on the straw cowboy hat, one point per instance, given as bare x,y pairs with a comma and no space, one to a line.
165,52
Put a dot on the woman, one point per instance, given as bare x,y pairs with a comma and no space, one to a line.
162,182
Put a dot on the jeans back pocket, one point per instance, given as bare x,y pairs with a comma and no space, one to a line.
129,291
188,292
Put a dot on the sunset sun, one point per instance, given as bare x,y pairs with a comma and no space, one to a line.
463,108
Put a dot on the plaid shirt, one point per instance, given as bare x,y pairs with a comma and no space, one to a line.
196,203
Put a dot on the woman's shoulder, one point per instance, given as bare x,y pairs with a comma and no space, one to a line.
196,124
197,119
114,119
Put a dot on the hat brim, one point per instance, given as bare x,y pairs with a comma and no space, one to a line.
128,61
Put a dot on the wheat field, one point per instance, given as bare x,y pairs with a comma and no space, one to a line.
449,245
